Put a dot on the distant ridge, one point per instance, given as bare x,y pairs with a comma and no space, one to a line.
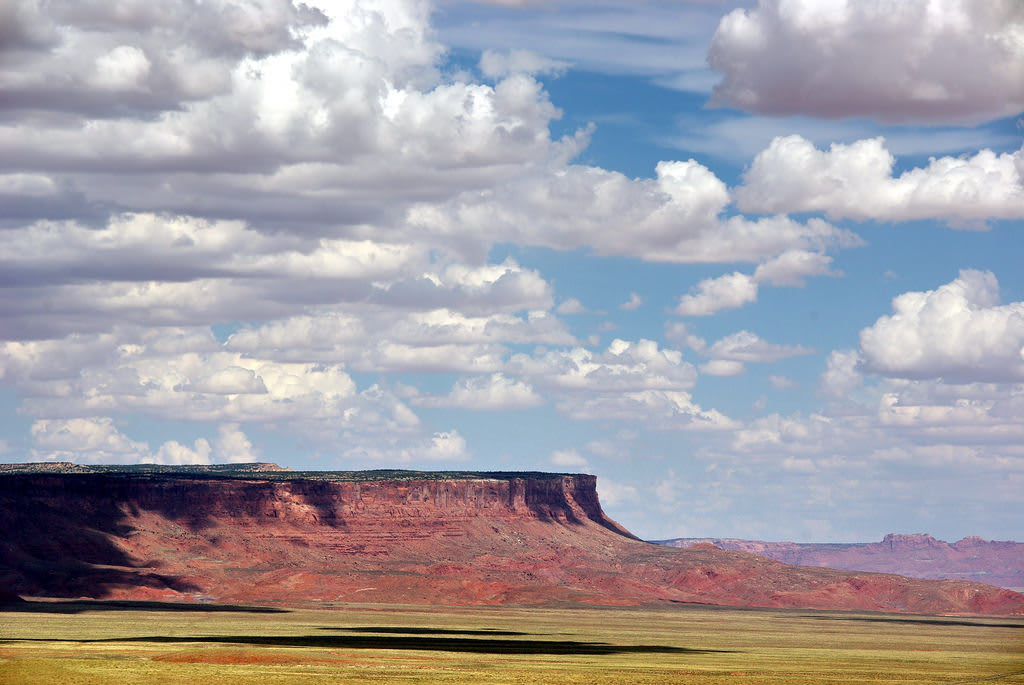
916,555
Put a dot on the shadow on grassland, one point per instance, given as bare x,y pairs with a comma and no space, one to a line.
78,606
410,630
919,621
417,643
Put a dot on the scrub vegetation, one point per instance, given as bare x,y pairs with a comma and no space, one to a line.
262,471
148,642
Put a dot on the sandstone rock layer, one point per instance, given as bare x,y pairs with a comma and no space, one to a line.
467,539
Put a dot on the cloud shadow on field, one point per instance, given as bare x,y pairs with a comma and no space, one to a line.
920,621
394,642
411,630
79,606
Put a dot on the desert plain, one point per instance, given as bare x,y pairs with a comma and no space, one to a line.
62,641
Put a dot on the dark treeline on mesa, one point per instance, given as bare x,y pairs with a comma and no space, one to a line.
262,471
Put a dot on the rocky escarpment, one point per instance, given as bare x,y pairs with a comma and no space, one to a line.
266,535
362,510
915,555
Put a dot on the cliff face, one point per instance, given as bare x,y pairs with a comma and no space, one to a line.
466,539
570,498
100,534
916,555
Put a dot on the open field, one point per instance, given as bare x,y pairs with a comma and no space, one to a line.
106,642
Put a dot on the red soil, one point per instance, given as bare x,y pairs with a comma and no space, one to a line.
483,541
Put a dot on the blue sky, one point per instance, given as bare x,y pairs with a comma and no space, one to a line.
754,264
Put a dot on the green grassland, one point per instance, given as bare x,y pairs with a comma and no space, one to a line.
148,643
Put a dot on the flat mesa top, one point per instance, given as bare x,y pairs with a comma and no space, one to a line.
261,471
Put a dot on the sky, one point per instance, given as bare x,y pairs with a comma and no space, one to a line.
756,265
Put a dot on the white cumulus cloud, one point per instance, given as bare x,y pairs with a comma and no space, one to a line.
568,458
729,291
495,64
747,347
634,302
841,375
494,392
443,446
678,216
723,367
856,181
624,366
233,445
715,294
914,60
86,439
958,332
173,452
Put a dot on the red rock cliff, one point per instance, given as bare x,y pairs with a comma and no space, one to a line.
463,538
564,498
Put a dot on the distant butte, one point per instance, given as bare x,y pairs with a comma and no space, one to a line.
917,555
255,533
